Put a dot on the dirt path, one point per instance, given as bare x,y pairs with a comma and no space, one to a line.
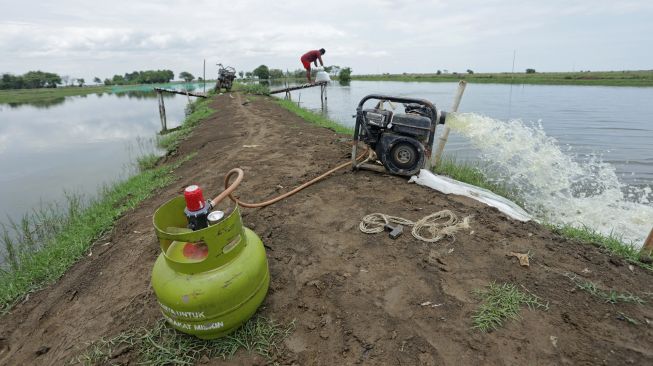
355,297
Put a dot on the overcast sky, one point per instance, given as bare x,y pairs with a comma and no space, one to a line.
83,38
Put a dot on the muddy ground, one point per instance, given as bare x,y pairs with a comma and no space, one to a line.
355,298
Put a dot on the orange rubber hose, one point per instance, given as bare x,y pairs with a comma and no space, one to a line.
229,188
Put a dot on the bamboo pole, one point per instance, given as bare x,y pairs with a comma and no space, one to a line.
437,153
303,86
162,112
647,248
182,92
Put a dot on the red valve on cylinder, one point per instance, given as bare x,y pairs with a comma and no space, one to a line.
194,198
197,209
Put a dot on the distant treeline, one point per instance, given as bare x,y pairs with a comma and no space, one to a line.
529,76
40,79
30,80
141,77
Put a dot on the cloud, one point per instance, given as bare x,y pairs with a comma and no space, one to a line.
74,36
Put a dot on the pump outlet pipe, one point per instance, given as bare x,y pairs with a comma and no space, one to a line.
437,153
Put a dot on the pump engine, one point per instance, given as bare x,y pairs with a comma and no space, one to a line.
401,141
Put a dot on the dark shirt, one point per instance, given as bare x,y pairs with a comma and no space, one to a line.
311,56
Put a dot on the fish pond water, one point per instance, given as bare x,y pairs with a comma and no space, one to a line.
73,145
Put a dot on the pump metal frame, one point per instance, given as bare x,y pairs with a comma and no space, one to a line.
360,128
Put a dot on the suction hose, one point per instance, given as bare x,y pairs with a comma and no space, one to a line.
229,188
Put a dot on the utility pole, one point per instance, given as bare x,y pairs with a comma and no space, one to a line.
204,76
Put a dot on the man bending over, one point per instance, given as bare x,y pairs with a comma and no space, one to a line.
312,56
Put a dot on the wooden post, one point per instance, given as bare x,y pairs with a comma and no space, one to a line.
287,96
647,248
436,154
323,95
162,112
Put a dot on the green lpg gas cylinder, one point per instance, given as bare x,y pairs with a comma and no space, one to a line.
210,281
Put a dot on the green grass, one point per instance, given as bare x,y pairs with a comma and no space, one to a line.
501,303
200,111
606,78
611,243
44,95
147,162
314,118
471,173
162,345
611,296
256,89
53,238
628,319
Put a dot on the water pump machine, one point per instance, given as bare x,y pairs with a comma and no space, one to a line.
401,142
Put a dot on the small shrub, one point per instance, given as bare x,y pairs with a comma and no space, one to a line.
345,74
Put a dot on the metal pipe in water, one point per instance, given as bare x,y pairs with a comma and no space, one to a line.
436,154
647,248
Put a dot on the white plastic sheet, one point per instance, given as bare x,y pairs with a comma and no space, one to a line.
450,186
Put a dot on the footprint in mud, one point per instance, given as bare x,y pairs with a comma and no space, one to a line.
4,347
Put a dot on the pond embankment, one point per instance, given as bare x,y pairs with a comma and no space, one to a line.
353,297
641,78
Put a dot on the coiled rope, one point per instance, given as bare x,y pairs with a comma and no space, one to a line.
437,225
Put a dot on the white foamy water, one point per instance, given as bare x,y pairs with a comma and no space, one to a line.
557,186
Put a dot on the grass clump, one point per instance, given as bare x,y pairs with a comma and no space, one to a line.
147,162
627,318
612,243
612,296
471,173
46,243
314,118
162,345
502,302
256,89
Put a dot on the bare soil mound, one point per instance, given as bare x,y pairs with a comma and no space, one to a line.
355,298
